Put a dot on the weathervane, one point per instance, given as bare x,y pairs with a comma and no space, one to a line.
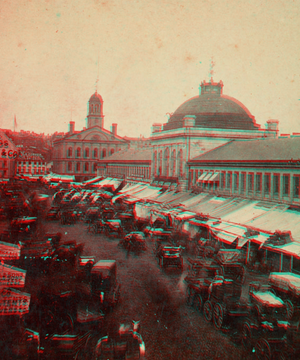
211,67
97,75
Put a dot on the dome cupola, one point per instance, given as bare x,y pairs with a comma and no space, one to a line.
95,111
212,109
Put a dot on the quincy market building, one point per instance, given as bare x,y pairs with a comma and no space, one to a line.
255,184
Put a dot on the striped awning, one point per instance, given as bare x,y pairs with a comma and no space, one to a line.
202,176
207,177
215,177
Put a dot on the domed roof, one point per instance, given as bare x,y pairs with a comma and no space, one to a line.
211,109
96,98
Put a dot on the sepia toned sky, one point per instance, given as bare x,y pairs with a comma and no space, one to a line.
153,54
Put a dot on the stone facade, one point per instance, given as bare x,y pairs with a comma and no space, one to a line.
211,121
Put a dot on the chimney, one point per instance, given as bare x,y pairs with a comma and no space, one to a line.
71,127
156,128
114,128
272,125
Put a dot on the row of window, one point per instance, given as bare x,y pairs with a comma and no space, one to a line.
258,183
129,170
33,163
86,167
86,153
23,170
163,165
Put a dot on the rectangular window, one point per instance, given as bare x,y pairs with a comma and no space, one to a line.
236,182
258,183
267,184
296,183
286,185
250,182
276,184
228,180
243,182
222,179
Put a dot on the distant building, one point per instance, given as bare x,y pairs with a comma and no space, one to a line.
131,164
78,152
199,125
30,164
8,155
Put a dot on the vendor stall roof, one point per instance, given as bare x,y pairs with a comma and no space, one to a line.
292,249
185,215
246,214
279,219
193,200
211,204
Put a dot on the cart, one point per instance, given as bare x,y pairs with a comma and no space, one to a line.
135,241
198,280
224,300
170,256
287,286
266,320
123,343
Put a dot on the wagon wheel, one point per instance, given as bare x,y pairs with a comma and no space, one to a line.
198,302
289,309
66,323
242,276
263,350
256,311
207,309
286,353
161,261
190,296
219,315
94,229
247,337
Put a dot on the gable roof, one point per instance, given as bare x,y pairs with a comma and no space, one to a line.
284,149
130,155
108,136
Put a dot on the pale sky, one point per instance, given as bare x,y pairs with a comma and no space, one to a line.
153,54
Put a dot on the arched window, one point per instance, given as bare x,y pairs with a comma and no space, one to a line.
69,155
179,163
87,153
166,162
78,152
160,163
95,153
103,153
155,163
78,167
94,167
69,166
86,167
173,163
112,151
92,108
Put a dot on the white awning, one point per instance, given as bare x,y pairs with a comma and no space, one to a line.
202,176
207,176
214,177
185,215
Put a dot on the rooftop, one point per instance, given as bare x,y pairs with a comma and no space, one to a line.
284,149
